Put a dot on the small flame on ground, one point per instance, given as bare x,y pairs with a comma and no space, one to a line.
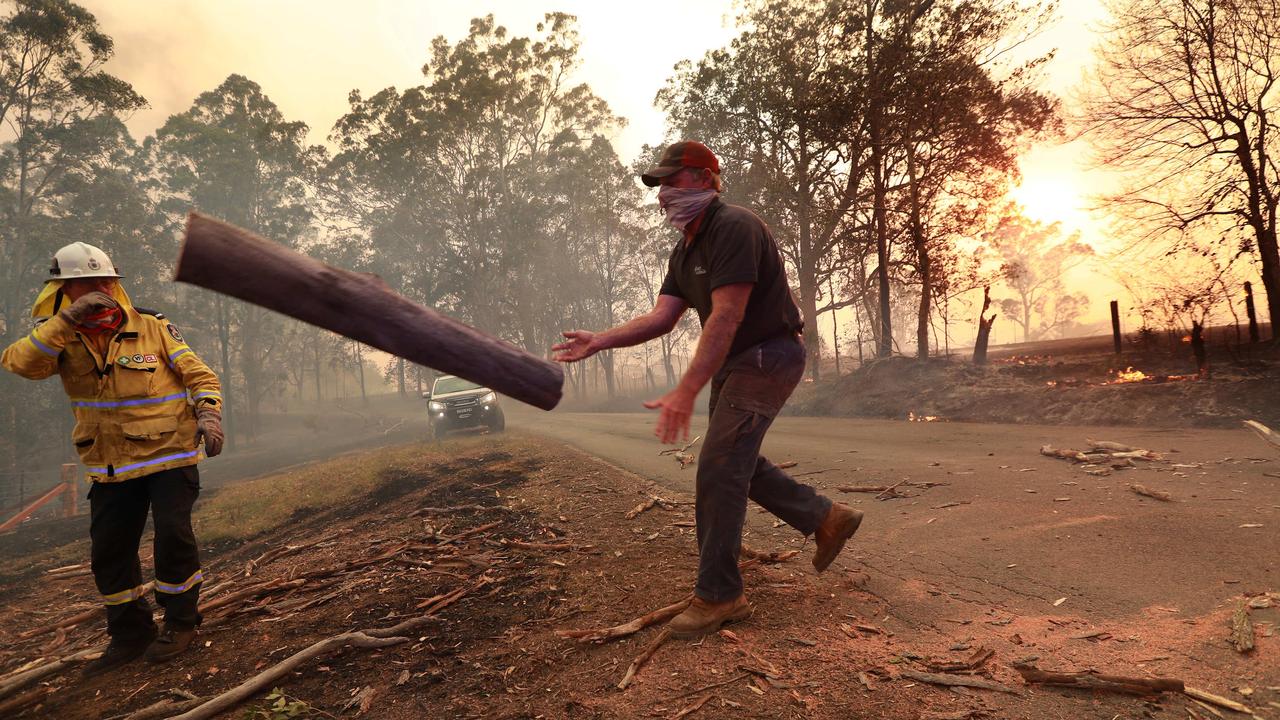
1129,375
912,417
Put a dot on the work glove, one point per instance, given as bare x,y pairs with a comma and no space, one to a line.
209,429
89,305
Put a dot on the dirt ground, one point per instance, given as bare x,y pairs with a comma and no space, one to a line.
818,646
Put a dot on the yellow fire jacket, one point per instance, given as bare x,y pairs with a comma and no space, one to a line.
133,406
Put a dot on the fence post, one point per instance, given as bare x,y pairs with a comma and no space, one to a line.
1115,324
1253,314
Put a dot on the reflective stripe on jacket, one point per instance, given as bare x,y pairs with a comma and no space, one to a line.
133,407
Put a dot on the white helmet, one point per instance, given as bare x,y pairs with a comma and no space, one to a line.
81,260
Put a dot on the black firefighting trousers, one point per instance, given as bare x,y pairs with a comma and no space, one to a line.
118,514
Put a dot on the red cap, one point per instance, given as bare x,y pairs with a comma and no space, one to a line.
681,155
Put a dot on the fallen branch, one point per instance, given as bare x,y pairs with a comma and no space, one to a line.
1090,680
164,709
267,678
958,681
459,508
368,639
18,681
467,534
628,628
1264,432
1149,492
30,697
643,657
250,592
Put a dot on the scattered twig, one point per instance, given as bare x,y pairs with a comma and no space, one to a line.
975,661
777,556
1216,700
521,545
697,705
891,491
1096,681
685,449
643,657
1151,493
712,686
814,472
71,621
1264,432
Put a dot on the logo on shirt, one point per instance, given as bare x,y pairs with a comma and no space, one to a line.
699,270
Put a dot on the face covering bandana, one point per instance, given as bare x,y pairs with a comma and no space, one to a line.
102,322
683,205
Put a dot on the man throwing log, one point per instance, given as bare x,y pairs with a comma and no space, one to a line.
728,268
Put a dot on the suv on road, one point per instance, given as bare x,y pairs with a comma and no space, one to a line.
454,404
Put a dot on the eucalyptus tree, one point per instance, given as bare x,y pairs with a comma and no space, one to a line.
1184,105
234,155
61,141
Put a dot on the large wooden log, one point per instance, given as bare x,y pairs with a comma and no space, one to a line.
235,262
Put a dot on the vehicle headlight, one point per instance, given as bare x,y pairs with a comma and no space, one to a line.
489,397
435,406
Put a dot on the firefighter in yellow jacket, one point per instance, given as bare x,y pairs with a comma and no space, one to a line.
143,403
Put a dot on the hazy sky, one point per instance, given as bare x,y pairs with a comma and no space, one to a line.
308,55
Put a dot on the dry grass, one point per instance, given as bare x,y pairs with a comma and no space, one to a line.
250,507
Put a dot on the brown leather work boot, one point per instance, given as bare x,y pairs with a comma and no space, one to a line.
170,644
840,524
120,653
702,617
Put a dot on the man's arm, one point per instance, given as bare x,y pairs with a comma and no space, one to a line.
35,356
582,344
728,305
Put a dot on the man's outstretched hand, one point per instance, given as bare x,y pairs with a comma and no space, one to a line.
578,345
673,420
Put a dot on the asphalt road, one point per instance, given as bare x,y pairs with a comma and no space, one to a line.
1012,529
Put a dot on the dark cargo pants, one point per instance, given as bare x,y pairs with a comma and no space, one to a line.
118,515
746,395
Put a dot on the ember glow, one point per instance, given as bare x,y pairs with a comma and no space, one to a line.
912,417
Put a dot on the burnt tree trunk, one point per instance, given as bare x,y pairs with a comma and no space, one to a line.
984,329
1197,347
